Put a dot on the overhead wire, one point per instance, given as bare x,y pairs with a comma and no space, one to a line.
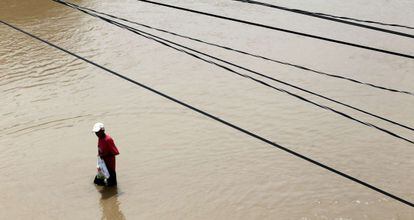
216,118
145,34
409,56
328,17
368,21
162,41
251,54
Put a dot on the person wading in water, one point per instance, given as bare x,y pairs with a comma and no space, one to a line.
107,151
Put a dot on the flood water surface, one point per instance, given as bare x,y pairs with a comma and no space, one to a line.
175,163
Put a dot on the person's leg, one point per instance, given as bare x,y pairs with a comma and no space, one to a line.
112,178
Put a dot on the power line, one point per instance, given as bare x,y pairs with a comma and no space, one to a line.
368,21
250,54
215,118
162,41
284,30
327,17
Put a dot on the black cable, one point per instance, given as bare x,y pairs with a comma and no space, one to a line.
213,117
284,30
368,21
139,32
162,41
250,54
326,17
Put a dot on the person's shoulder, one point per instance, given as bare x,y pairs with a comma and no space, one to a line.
108,138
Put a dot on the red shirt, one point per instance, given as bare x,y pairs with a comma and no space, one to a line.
107,151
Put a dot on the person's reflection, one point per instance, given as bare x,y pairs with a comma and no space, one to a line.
109,203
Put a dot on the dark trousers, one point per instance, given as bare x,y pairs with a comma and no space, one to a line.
111,181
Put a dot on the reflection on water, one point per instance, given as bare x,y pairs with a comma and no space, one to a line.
109,203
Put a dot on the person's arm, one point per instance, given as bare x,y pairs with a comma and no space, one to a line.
103,150
113,150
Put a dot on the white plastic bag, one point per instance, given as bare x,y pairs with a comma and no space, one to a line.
103,172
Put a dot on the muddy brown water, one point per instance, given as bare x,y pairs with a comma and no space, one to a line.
177,164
